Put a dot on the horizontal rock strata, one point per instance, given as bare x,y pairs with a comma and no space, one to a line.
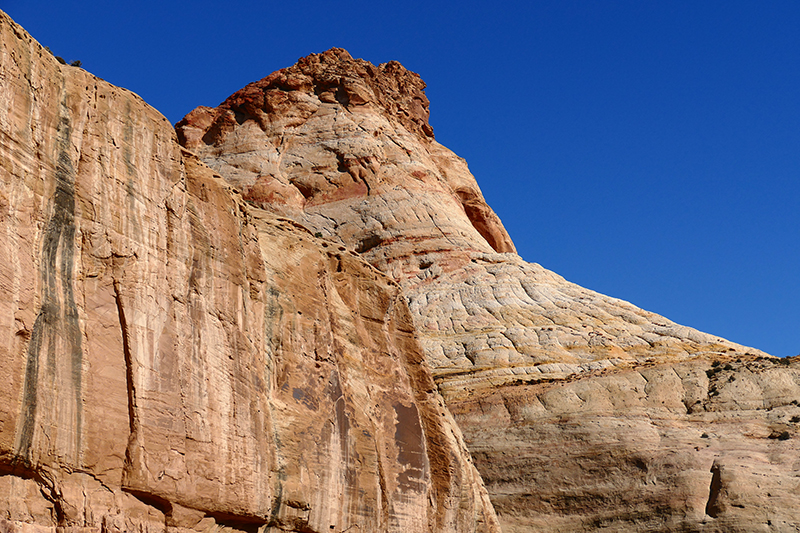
706,444
176,360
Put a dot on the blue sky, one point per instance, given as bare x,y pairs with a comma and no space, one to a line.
647,150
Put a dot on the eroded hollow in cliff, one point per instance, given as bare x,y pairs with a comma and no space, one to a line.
712,509
478,214
368,243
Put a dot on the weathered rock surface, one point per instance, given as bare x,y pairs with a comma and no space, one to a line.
707,444
583,412
368,176
173,359
344,148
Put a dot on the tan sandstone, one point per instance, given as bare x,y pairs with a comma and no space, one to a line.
583,412
174,359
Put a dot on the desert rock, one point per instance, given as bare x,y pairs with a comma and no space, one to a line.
583,412
705,444
175,359
362,172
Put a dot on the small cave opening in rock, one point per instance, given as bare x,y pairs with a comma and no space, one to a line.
368,243
306,190
712,509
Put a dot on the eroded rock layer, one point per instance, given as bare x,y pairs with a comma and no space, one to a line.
174,359
363,171
368,176
553,384
706,444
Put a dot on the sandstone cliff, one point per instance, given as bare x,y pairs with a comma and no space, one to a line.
176,359
259,331
582,411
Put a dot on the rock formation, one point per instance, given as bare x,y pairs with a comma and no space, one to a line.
272,317
174,359
582,411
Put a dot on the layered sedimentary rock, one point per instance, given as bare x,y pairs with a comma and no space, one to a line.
368,176
174,359
583,412
344,148
706,444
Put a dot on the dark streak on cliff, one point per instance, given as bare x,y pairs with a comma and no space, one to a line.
58,316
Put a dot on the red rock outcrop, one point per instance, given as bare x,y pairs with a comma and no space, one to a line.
344,147
174,359
583,412
183,352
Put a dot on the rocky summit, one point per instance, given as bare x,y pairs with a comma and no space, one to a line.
296,312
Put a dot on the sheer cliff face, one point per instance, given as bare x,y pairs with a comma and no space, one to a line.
173,358
582,411
268,328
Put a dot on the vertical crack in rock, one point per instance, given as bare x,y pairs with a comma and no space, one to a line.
131,454
384,499
712,509
57,321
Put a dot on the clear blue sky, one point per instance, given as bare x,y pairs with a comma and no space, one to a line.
647,150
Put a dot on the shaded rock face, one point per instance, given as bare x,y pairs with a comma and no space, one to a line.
583,412
174,359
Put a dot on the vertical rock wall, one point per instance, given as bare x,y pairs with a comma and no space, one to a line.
171,361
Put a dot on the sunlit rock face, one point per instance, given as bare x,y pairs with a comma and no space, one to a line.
583,412
704,444
344,148
174,359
